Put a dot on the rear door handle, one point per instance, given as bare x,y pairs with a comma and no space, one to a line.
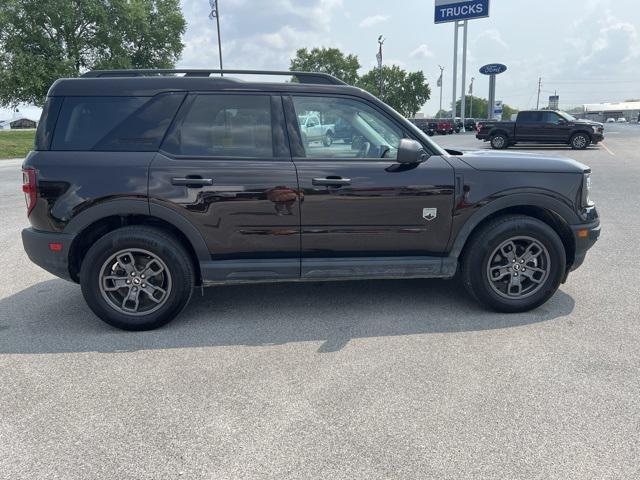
192,182
331,182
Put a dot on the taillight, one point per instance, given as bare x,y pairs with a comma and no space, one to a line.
29,188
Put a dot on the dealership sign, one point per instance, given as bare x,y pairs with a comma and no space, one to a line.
452,10
493,69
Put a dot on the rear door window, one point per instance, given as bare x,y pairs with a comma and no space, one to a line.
224,125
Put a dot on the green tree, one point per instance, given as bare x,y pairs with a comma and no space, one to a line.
43,41
405,92
327,60
481,107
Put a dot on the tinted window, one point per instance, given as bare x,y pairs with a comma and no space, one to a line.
47,123
84,121
551,117
372,134
224,126
144,129
115,123
529,117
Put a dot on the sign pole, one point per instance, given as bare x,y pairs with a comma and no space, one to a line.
463,103
455,69
492,96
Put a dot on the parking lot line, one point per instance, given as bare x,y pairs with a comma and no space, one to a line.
607,149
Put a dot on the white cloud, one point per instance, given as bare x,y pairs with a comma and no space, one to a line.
257,33
492,35
373,20
422,51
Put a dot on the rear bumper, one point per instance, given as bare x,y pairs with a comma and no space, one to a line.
585,236
37,245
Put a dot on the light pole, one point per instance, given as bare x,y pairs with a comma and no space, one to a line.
379,58
215,13
471,99
440,85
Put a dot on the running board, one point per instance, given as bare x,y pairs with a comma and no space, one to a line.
321,269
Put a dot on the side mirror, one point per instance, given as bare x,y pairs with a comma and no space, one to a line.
411,151
562,121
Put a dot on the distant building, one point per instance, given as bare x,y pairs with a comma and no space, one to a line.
18,122
601,111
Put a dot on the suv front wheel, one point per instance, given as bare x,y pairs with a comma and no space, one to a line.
137,278
513,264
580,141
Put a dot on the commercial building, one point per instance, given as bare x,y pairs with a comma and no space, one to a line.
599,112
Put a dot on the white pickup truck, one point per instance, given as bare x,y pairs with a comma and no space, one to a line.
313,130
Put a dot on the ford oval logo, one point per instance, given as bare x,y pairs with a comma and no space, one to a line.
493,69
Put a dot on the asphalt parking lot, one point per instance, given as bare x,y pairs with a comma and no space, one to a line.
376,379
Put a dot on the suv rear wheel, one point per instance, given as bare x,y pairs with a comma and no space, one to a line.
514,263
499,141
137,278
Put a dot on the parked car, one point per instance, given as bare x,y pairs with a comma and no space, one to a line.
428,126
444,126
313,130
622,120
541,126
457,125
144,185
470,124
611,120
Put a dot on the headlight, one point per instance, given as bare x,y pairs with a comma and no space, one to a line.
586,190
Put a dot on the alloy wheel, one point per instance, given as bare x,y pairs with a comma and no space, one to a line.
518,267
135,282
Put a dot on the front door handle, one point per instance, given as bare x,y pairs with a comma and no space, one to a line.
193,182
331,181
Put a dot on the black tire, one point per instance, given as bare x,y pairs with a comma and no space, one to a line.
481,249
328,139
150,243
579,141
499,141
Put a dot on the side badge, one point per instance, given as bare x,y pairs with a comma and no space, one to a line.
429,213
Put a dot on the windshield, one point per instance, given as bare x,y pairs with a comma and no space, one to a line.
566,116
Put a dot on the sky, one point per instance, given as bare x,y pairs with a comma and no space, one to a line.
588,51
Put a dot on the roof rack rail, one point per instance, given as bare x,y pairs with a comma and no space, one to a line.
303,77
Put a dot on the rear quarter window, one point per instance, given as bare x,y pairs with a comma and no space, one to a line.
114,123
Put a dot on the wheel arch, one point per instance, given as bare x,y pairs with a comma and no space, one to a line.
553,213
496,131
96,221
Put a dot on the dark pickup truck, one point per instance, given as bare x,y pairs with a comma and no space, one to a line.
541,126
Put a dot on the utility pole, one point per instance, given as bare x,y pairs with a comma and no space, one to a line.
539,86
440,85
215,13
471,99
379,58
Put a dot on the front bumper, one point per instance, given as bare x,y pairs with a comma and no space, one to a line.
37,245
585,236
597,137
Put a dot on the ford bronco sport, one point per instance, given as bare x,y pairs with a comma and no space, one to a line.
144,184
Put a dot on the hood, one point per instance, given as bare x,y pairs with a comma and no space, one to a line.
581,121
488,160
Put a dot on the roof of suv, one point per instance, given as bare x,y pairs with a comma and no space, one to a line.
140,83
